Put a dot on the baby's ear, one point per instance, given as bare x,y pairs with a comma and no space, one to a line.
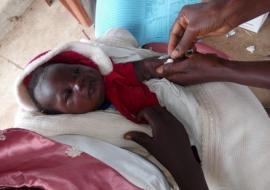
34,79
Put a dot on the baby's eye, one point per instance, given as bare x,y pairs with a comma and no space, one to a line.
67,94
76,71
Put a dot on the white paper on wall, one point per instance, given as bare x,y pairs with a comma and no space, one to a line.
255,24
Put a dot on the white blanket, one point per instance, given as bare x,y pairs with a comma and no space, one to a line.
225,121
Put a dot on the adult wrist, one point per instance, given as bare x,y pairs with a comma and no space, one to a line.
231,11
237,12
190,178
231,72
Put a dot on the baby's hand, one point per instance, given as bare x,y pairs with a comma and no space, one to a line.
146,68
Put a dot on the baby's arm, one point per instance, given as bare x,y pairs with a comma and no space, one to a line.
125,90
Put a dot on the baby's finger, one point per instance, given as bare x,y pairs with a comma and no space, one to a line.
140,138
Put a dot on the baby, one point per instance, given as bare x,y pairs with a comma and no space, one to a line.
77,86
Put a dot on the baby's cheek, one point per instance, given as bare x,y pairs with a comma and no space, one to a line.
100,95
96,100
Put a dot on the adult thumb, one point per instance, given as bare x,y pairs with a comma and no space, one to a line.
140,138
185,43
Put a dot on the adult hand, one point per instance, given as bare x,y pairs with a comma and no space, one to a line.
197,20
170,145
212,18
197,68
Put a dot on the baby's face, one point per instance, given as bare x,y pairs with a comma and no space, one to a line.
70,89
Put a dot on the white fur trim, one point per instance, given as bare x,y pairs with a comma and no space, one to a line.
92,52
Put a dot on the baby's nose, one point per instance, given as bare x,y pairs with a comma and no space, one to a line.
79,85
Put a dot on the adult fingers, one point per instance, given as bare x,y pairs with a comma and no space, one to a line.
220,31
169,69
181,79
140,138
159,69
186,42
152,115
176,34
144,115
159,118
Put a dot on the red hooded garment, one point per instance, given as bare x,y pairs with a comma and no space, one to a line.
123,90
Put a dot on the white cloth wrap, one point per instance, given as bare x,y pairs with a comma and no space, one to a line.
229,127
182,104
235,137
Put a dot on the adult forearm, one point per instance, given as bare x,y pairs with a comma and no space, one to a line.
183,165
191,177
237,12
248,73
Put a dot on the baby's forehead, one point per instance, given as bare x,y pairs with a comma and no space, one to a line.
51,83
59,66
53,77
57,71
